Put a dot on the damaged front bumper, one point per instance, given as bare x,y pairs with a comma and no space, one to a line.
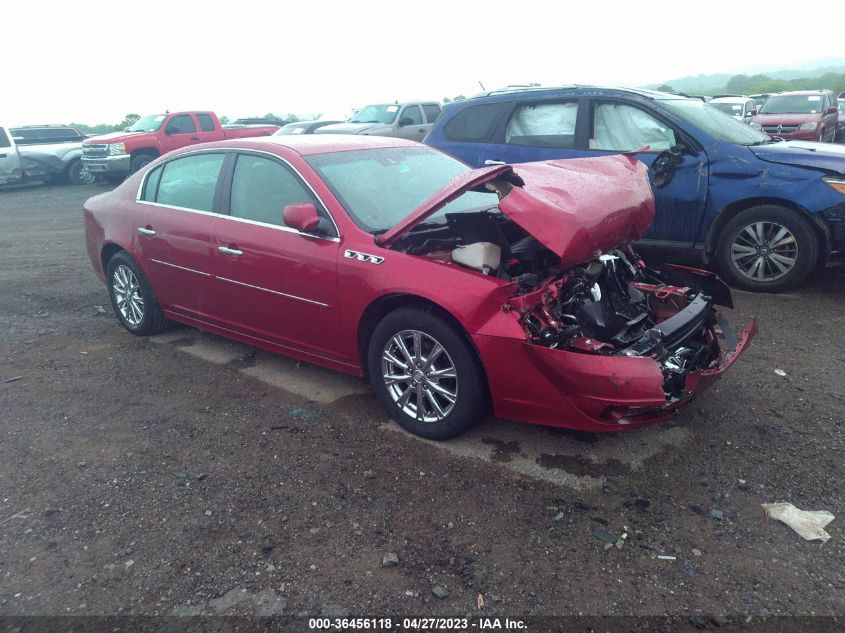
590,392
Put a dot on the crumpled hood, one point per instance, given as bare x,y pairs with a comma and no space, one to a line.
576,208
826,156
347,128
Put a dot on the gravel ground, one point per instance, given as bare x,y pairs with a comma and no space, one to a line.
136,479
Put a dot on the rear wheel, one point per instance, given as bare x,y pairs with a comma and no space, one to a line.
767,249
132,298
426,374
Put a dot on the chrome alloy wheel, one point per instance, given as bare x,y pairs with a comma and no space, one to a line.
127,295
419,375
764,251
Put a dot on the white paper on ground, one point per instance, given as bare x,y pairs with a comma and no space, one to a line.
808,523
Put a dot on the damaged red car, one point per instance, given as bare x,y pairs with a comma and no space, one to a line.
457,292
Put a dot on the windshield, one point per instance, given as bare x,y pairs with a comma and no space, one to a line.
714,122
149,123
792,104
383,113
734,109
380,187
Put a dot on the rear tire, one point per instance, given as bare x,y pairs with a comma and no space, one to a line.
132,297
767,249
438,369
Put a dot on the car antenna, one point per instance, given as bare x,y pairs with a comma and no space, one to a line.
483,89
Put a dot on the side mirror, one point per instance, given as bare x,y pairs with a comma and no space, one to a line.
172,129
302,217
405,120
832,110
754,112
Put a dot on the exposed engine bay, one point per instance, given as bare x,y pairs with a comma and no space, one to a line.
611,305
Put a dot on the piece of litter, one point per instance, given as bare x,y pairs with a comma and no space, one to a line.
84,353
13,379
480,601
100,309
807,523
780,372
716,514
604,535
559,517
665,557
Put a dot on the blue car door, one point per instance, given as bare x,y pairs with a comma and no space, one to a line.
680,191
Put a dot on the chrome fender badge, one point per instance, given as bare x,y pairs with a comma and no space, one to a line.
363,257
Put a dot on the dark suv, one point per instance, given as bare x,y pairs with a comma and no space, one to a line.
766,211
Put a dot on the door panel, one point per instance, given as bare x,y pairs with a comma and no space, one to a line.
416,130
10,160
175,227
274,282
282,287
186,135
178,257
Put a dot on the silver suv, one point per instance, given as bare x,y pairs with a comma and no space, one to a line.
411,120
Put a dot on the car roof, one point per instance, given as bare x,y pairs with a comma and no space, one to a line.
730,99
509,92
800,93
308,144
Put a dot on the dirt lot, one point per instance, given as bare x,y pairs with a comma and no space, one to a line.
187,475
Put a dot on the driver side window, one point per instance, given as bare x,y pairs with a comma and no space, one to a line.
413,113
623,128
181,124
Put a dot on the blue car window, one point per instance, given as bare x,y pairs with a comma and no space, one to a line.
624,128
543,125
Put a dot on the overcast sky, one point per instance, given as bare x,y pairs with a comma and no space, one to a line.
94,62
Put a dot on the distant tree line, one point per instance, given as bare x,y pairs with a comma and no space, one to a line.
759,84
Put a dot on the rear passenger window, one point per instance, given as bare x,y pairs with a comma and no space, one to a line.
4,139
543,125
151,185
190,182
262,188
475,123
432,111
206,122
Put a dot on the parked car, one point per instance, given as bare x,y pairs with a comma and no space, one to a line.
766,212
261,121
808,115
410,120
46,153
840,130
740,108
303,127
760,99
118,154
326,247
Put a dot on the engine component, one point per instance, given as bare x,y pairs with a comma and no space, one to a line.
482,256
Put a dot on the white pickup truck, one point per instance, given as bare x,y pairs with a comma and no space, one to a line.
46,153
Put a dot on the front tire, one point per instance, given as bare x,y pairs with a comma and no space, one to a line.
139,162
77,174
426,374
767,249
132,298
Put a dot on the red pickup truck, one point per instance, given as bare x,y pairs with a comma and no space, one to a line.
121,153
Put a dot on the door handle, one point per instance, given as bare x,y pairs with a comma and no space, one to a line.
195,138
229,251
145,231
490,161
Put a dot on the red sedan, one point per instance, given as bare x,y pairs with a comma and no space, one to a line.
458,292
